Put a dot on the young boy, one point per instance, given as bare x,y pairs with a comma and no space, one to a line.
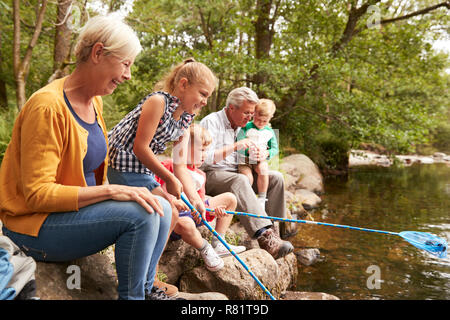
186,227
262,135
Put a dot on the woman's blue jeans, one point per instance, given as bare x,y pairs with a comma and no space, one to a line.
139,239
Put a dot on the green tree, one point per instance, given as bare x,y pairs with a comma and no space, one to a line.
338,71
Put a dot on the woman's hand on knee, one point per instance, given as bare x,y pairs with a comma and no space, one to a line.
141,195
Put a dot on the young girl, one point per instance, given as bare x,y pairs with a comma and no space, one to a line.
262,135
159,118
186,228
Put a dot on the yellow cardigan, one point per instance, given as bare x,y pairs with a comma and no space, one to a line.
42,169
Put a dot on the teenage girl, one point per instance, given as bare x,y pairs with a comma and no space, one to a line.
159,118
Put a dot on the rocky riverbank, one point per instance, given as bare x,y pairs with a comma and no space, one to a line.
364,157
182,265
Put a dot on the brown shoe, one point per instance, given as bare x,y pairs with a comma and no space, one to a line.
272,243
169,290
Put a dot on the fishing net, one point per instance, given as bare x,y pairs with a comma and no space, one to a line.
429,242
426,241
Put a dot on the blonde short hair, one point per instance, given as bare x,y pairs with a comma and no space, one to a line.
265,107
198,134
116,36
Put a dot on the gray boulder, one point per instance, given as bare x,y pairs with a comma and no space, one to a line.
301,172
308,199
236,283
59,281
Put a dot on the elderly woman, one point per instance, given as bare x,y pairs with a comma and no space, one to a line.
53,200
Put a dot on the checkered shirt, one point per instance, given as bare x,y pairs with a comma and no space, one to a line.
121,137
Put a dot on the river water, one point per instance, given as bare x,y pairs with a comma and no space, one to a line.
415,198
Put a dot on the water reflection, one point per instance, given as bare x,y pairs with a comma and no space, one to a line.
415,198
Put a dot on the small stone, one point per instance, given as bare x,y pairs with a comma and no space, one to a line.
308,257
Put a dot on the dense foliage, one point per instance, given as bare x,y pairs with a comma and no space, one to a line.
340,72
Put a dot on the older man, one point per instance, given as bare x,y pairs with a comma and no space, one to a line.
221,167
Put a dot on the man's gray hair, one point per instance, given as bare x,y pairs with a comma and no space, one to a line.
239,95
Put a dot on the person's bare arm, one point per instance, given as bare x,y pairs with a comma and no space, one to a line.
152,111
180,153
221,154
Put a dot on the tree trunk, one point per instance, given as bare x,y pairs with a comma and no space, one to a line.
16,51
354,16
3,93
264,29
20,90
264,32
63,45
22,66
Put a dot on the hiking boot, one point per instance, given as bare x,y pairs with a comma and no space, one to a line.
158,294
272,243
222,251
212,261
169,289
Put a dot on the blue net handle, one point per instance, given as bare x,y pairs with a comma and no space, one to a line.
422,240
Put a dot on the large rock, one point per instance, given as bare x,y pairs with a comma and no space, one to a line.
301,173
58,281
236,283
242,237
98,280
178,257
308,199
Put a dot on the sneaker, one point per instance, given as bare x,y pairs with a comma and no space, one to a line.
158,294
212,261
222,251
272,243
169,289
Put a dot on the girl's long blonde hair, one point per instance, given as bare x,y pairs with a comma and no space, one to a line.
194,71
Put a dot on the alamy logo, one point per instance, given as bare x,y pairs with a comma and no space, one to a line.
375,18
72,18
74,280
374,281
